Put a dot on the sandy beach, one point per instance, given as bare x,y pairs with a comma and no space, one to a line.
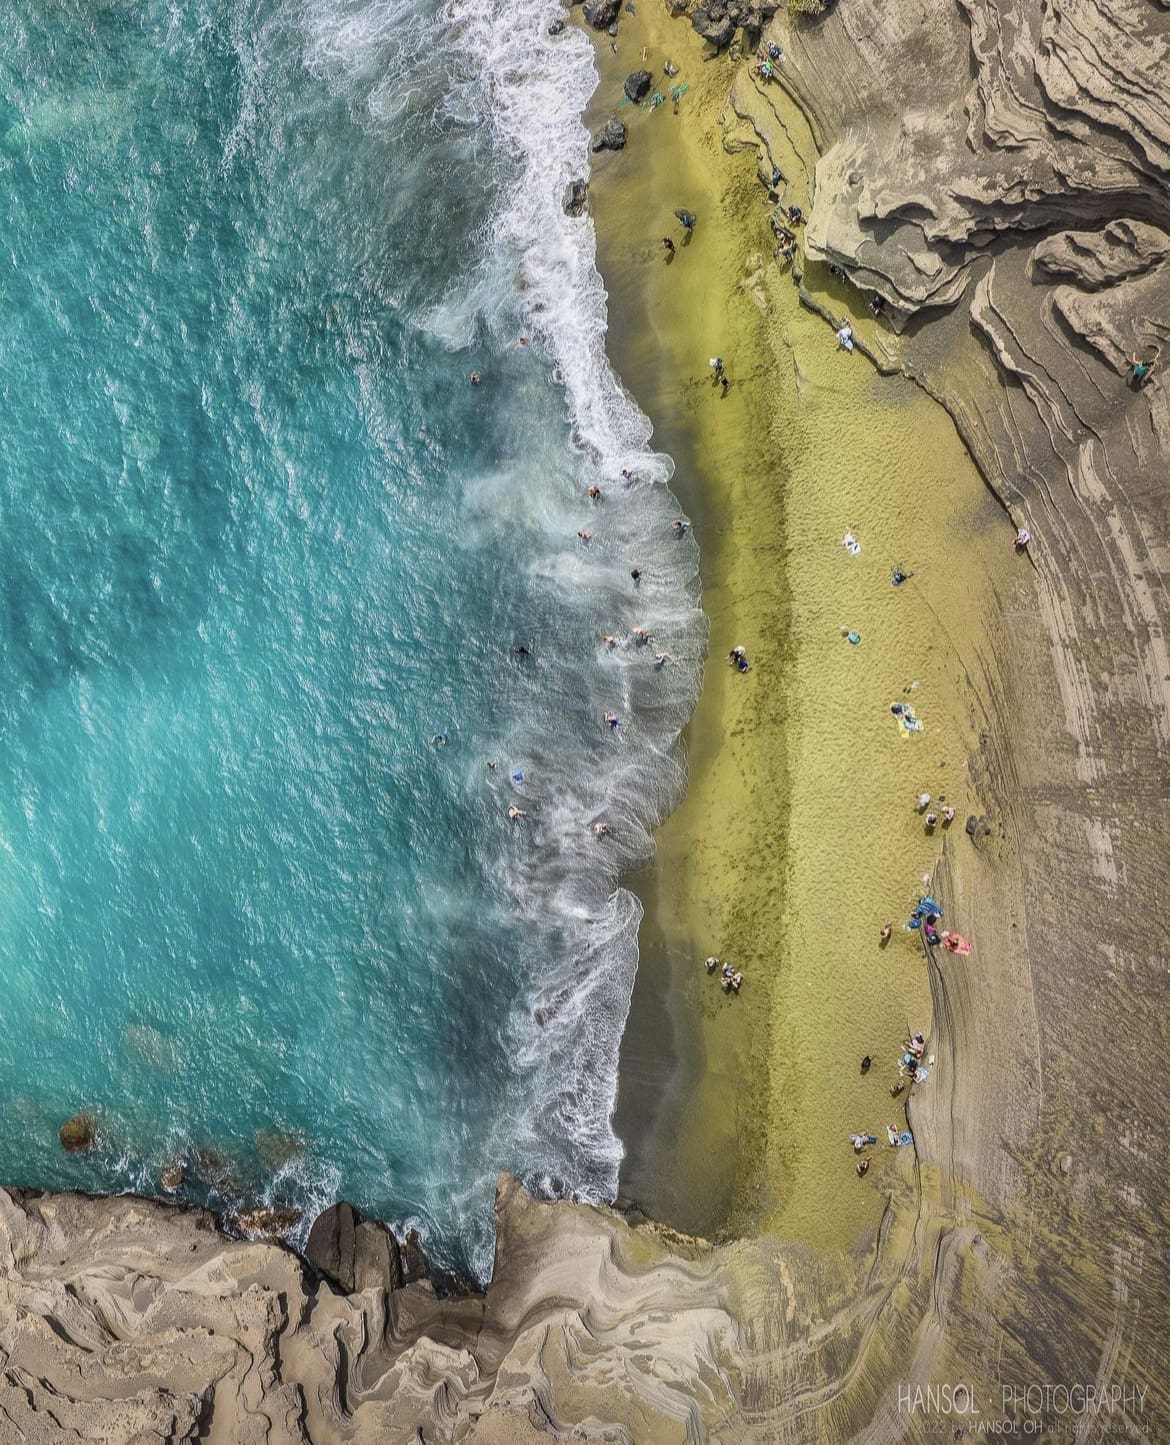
799,836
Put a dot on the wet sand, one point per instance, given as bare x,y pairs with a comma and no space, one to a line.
798,837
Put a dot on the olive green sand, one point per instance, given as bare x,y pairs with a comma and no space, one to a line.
799,837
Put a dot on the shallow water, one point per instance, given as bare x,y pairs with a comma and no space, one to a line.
265,556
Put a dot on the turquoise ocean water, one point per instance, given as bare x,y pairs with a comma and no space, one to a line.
265,555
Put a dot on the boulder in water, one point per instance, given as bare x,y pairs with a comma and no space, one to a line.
414,1262
354,1253
638,84
576,198
78,1134
172,1176
611,136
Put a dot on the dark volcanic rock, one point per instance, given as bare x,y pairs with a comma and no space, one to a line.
413,1260
77,1134
611,136
638,84
353,1252
556,26
601,13
715,25
575,198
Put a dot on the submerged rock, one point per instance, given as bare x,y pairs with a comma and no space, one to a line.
78,1134
638,84
276,1148
611,136
354,1253
172,1176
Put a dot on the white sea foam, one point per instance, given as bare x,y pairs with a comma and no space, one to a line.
584,951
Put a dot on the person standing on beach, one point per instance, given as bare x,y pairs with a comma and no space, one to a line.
1139,370
668,246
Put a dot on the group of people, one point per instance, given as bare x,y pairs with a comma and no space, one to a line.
911,1070
642,638
767,59
730,979
686,219
931,818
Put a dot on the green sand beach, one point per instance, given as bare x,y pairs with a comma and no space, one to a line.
799,837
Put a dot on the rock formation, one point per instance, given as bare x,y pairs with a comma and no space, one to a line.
638,84
128,1320
611,136
354,1253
